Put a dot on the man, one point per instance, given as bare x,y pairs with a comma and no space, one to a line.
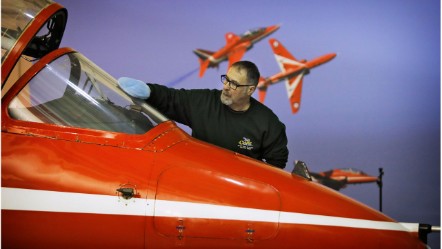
229,118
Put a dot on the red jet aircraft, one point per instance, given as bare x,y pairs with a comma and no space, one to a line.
292,71
86,166
335,178
339,178
236,46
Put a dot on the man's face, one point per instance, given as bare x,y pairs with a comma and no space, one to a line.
231,97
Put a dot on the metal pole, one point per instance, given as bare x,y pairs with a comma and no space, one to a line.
379,182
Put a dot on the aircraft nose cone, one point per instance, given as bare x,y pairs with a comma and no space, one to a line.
331,56
274,27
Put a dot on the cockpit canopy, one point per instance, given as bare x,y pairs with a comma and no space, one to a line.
17,16
42,83
30,30
252,32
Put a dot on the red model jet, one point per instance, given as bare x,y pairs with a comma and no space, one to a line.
335,178
236,46
292,71
86,166
339,178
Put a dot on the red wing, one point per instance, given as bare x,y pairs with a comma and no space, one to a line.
237,53
294,90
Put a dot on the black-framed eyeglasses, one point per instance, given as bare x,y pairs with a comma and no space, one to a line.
232,84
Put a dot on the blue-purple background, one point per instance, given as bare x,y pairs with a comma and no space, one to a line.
377,104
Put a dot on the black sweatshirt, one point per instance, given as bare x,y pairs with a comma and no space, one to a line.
256,133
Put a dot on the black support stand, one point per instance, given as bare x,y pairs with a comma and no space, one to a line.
379,182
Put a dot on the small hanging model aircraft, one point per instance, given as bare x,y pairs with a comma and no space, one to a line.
335,178
292,70
84,165
340,178
236,46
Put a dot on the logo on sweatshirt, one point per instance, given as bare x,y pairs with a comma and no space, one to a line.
245,144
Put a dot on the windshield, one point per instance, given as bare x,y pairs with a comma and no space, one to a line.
73,91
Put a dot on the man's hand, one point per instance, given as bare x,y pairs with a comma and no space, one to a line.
135,88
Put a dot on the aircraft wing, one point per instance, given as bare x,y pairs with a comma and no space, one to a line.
237,53
262,94
288,64
283,56
294,89
262,89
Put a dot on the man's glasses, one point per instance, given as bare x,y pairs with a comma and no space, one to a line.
232,84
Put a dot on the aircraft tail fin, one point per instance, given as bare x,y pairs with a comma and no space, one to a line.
204,64
203,56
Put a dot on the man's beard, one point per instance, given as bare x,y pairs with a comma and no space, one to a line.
225,99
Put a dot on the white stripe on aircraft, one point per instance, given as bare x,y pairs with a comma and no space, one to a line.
289,87
283,60
51,201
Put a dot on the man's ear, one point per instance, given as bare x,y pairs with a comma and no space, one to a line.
251,90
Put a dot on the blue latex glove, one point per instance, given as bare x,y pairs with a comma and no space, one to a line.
135,88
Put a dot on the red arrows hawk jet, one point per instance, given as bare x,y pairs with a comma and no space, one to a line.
236,46
292,70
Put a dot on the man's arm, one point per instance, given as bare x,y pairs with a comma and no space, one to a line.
276,152
172,102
